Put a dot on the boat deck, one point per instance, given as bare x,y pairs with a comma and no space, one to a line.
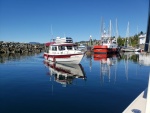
138,105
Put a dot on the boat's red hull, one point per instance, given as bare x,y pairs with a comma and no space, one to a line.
103,49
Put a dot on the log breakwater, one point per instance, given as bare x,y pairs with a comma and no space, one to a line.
12,47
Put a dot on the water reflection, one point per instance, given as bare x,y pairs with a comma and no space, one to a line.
109,63
137,57
106,62
131,56
15,56
144,59
65,74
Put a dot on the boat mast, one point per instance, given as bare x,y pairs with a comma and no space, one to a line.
127,35
109,30
51,33
101,29
116,31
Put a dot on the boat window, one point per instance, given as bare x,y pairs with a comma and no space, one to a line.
69,47
61,48
69,41
105,40
54,48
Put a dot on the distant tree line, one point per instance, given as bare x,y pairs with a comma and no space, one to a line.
132,41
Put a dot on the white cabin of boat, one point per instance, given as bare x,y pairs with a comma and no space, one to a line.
63,46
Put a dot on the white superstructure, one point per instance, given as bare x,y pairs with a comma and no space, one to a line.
142,39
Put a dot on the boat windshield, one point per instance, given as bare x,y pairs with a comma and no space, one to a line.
105,40
54,48
69,47
61,48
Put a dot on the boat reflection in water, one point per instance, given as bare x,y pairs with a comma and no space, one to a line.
106,62
144,59
65,74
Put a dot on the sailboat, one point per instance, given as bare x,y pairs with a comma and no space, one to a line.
127,48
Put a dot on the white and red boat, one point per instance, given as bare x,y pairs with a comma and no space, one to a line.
108,44
63,50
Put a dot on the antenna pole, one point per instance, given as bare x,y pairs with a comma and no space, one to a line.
51,33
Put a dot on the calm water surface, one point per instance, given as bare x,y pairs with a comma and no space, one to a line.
28,84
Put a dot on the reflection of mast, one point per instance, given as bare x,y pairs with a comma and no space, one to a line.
126,66
90,64
109,70
115,70
105,64
51,79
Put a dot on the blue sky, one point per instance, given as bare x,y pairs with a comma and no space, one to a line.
31,20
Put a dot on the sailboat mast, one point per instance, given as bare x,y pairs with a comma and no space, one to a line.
110,29
116,30
127,35
101,29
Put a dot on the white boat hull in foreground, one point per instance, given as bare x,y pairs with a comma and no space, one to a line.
141,103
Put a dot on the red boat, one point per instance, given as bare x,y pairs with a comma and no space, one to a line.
104,49
108,44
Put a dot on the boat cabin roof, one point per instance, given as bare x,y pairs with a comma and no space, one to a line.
49,43
64,44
